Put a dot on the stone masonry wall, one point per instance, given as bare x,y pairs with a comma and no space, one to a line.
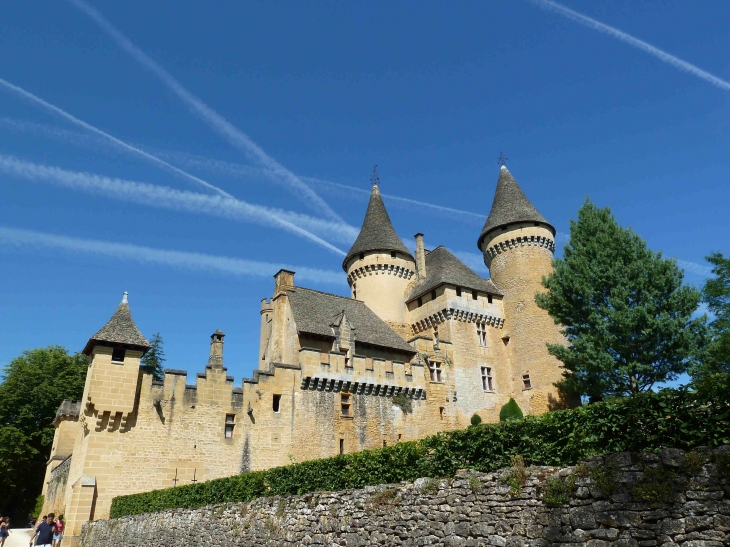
623,500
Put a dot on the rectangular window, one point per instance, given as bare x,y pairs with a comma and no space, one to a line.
276,403
433,295
345,404
392,254
342,446
385,443
434,368
230,424
118,355
474,295
489,298
441,412
348,361
420,301
482,334
487,379
458,291
526,384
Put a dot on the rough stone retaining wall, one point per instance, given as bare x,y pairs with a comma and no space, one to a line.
648,499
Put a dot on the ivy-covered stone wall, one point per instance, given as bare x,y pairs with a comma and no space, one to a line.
622,500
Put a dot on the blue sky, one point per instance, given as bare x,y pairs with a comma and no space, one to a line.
431,92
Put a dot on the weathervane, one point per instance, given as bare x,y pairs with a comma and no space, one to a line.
375,179
502,159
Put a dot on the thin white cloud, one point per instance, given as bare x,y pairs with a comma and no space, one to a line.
702,270
148,255
628,39
181,200
115,141
234,135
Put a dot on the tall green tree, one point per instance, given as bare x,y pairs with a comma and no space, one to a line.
625,311
716,293
33,386
155,356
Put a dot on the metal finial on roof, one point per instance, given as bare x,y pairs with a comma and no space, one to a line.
502,160
375,179
124,297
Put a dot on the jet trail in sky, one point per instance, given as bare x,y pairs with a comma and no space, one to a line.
120,143
628,39
181,200
234,135
148,255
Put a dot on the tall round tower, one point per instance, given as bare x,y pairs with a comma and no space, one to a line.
518,245
379,266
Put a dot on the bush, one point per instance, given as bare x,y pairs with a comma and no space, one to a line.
476,419
510,411
674,418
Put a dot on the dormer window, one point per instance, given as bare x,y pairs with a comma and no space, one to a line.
420,301
118,355
433,295
362,255
489,298
458,291
392,254
474,295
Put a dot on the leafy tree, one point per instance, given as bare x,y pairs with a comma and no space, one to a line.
33,386
716,293
624,310
155,356
510,411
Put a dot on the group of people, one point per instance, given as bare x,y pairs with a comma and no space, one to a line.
48,533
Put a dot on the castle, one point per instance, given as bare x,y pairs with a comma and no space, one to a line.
422,345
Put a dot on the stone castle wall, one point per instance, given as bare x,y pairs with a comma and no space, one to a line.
686,501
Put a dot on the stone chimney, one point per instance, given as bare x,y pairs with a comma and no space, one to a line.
216,350
420,257
283,280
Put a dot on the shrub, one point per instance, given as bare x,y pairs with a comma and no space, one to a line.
510,411
476,419
675,418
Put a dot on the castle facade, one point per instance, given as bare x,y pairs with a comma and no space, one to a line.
422,344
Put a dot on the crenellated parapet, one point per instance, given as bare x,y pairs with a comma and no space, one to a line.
379,269
520,241
337,383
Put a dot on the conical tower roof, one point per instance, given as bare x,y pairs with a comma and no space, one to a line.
377,232
510,205
119,331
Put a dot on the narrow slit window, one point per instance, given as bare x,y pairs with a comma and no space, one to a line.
385,443
230,424
434,368
489,298
354,291
436,338
474,295
420,301
346,404
348,360
276,403
342,446
482,334
526,383
441,412
433,295
458,291
118,355
487,379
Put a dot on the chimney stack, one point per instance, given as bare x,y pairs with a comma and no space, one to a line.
420,257
216,350
283,280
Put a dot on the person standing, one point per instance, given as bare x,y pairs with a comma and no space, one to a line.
44,533
58,533
4,530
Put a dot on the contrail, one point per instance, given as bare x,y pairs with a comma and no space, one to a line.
149,255
56,110
234,135
181,200
628,39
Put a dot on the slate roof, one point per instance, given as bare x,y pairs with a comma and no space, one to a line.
510,205
377,232
315,311
120,330
442,267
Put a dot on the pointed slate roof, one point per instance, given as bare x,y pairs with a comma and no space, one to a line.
442,267
377,232
510,205
119,331
316,312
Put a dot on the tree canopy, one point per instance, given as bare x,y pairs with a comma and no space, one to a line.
624,309
152,360
33,386
716,293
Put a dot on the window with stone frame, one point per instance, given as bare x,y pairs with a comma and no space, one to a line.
526,383
230,424
487,379
346,404
118,355
482,334
434,369
348,358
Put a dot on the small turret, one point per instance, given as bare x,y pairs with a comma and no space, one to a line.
216,350
379,266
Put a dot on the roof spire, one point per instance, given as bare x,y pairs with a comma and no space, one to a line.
124,297
502,160
375,179
119,331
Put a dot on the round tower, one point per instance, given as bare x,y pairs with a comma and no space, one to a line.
518,244
379,266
